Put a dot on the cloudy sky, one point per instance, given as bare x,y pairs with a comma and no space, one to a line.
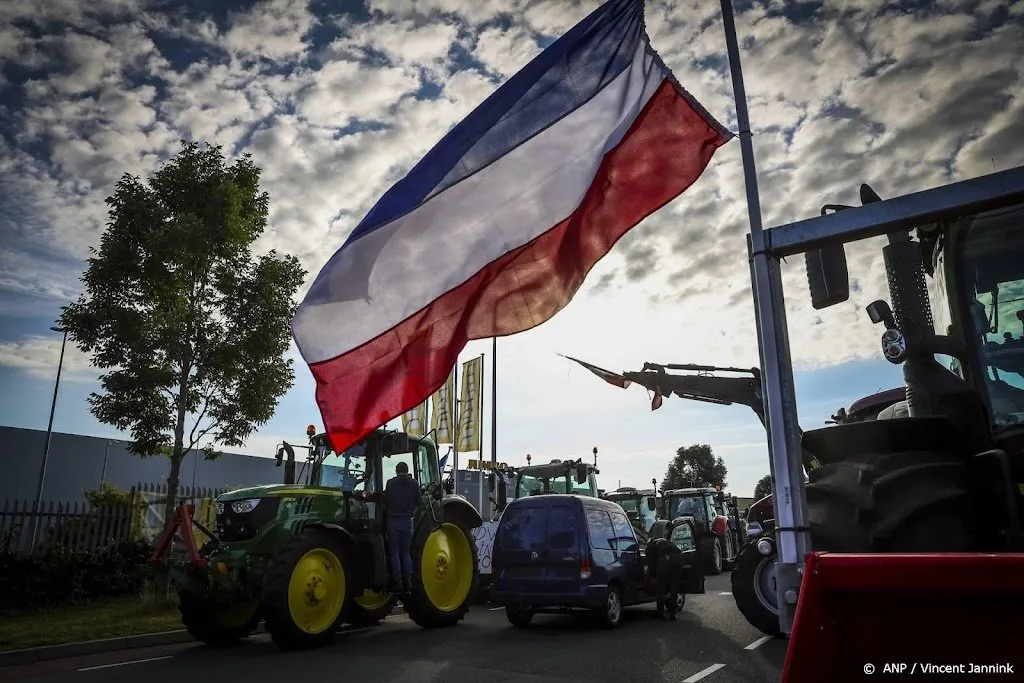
336,100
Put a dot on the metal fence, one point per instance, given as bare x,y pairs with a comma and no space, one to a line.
27,528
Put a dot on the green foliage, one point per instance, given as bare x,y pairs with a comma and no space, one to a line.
61,578
694,466
763,488
187,326
108,495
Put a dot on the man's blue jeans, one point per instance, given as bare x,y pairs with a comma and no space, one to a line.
400,545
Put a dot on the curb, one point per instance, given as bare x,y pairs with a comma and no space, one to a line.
32,655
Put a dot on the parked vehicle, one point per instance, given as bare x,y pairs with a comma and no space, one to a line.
555,553
718,542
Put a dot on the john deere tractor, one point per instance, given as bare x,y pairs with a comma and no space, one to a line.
308,558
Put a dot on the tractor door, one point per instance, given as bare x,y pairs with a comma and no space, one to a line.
627,549
684,537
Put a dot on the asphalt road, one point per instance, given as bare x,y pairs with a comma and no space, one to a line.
710,642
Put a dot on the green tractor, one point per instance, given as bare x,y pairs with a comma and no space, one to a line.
307,558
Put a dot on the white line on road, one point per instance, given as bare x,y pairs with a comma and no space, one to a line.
495,609
758,643
134,661
706,672
725,593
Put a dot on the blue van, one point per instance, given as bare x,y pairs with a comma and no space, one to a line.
556,552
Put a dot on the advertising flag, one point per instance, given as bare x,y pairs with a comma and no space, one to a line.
414,422
470,414
443,411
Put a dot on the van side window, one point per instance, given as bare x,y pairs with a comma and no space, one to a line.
524,528
602,535
624,536
562,528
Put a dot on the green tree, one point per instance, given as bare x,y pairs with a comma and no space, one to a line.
189,328
763,488
694,466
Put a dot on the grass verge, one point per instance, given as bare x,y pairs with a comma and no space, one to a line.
106,619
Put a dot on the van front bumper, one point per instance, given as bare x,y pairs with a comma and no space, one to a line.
588,597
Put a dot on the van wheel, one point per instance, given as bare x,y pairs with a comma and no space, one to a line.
611,612
520,617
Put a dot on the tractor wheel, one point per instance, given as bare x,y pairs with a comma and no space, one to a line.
445,573
218,623
753,588
306,590
891,502
370,607
710,551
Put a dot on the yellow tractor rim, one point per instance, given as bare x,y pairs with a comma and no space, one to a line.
316,591
446,567
371,600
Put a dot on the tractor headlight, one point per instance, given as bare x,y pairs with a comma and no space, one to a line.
754,529
242,506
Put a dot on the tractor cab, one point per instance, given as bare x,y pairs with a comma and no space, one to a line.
558,476
641,506
718,539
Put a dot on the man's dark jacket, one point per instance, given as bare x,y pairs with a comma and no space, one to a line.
402,496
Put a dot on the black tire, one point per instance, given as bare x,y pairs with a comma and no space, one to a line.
893,502
327,560
710,548
518,616
420,606
753,597
610,613
360,615
215,623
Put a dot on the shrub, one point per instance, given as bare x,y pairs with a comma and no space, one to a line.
57,578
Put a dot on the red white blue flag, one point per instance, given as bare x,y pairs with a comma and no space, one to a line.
495,229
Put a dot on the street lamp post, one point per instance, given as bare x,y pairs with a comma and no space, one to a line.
49,433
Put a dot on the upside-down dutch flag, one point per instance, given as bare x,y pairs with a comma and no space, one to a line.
495,229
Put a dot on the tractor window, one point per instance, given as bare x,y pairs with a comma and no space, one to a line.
426,458
390,462
352,471
681,505
994,287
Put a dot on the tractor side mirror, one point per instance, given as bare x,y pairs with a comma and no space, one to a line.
581,473
502,500
282,452
827,275
652,504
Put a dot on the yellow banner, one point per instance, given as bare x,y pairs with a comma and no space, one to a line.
443,409
414,422
470,416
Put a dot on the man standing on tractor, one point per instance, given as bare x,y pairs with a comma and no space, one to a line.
401,498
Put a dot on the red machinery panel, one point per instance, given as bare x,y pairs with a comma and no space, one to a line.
890,617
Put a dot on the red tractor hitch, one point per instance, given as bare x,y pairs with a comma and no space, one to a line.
182,523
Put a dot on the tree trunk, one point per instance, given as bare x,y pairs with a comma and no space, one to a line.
178,452
173,482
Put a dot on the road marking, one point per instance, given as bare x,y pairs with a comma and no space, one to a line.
758,643
706,672
726,593
134,661
495,609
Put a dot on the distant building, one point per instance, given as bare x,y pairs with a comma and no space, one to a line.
77,463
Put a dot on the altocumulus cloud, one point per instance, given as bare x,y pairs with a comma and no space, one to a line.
337,100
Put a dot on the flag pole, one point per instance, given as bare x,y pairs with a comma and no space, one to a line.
791,530
480,438
454,417
494,401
